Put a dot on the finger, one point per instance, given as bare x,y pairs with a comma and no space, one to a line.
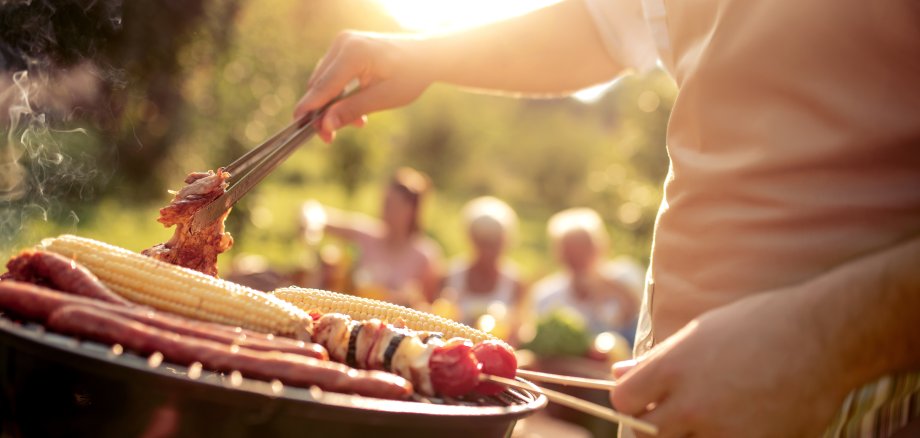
666,415
327,126
374,98
360,121
301,107
622,367
323,65
342,69
641,386
325,136
321,69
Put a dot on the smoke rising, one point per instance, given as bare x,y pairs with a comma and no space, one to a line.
12,173
35,172
52,73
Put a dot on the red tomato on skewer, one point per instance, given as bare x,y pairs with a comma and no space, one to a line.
496,359
454,369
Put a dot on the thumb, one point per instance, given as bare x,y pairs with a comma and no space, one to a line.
622,367
642,383
352,109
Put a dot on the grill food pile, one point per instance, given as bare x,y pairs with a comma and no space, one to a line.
168,300
301,337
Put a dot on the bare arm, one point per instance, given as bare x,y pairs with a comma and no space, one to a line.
553,50
771,353
867,313
356,227
432,271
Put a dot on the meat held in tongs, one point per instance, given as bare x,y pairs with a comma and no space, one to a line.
194,248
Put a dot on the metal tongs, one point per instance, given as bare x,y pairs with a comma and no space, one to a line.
251,168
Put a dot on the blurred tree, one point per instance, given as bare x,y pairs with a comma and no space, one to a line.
349,162
148,49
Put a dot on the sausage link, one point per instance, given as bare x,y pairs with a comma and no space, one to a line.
223,334
37,303
62,273
31,301
296,370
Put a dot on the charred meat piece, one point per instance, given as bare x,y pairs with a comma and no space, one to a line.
194,249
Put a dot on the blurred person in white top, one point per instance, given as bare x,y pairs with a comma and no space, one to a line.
604,292
487,282
782,292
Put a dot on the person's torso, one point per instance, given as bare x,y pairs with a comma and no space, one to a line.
473,304
794,141
396,270
795,147
599,312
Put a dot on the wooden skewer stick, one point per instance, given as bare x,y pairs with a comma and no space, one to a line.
580,405
567,380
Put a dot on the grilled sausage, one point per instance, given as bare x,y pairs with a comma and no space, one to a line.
61,273
37,303
296,370
31,301
224,334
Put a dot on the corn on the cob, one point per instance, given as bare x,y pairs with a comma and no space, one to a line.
364,308
174,289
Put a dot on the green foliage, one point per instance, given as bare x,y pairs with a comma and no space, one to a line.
560,333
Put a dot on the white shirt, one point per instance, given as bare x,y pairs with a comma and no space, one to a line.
472,305
555,292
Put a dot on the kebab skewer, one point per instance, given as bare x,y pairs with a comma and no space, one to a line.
434,366
449,370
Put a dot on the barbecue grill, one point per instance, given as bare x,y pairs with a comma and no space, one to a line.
56,385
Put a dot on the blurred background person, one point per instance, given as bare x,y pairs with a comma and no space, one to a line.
604,293
584,316
485,287
396,261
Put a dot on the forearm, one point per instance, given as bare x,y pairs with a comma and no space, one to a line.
866,314
432,274
554,50
350,225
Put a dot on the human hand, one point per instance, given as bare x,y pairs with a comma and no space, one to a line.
751,368
388,68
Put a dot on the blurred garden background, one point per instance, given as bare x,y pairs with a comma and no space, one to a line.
177,86
106,105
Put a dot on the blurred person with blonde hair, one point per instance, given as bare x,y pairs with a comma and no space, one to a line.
397,262
486,283
604,292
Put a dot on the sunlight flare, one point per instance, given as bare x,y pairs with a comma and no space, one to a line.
441,15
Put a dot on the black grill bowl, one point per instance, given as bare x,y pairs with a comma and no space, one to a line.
54,385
